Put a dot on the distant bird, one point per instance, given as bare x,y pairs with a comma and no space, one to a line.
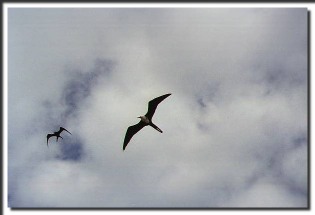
57,134
145,120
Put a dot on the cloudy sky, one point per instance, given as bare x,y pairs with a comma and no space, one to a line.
234,128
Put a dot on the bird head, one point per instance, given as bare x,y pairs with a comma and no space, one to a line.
141,117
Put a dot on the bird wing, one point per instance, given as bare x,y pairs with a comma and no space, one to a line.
63,129
48,136
132,130
153,104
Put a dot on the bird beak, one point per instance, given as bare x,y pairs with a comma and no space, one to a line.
139,117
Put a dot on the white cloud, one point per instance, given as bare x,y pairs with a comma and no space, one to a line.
269,195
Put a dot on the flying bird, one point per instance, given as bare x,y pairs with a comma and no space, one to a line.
145,120
57,134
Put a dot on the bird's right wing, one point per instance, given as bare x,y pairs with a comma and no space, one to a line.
63,129
132,130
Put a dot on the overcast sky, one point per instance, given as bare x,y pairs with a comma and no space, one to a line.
234,128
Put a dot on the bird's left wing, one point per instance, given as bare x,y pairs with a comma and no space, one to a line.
154,103
132,130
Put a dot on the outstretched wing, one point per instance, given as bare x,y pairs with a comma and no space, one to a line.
132,130
63,129
153,104
48,136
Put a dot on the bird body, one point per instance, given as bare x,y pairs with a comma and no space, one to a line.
57,134
144,120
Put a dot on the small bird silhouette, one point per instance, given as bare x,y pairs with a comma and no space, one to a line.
57,134
145,120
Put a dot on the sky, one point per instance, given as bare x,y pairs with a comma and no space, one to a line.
235,132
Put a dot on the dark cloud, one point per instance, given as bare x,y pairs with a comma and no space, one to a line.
80,85
209,93
71,150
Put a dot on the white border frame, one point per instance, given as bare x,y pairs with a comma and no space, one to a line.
6,210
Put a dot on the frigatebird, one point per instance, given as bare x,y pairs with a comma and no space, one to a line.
57,134
145,120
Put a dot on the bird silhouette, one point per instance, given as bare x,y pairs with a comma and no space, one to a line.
145,120
57,134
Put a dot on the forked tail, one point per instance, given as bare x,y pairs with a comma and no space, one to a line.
157,128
